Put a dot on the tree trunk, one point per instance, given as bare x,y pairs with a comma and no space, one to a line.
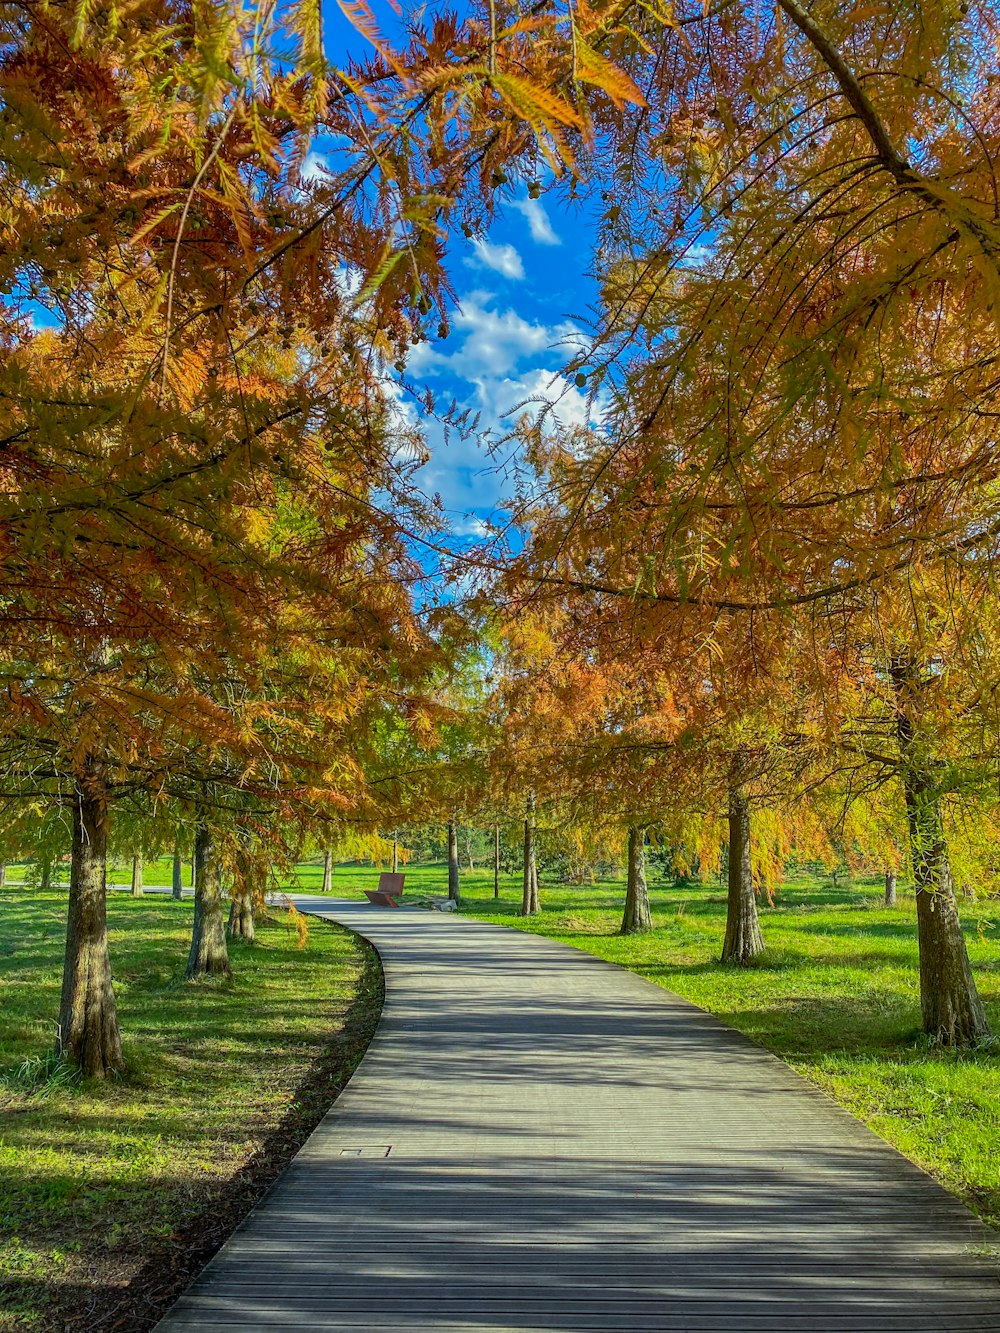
137,875
743,940
890,888
529,872
45,883
241,918
3,873
637,916
395,853
327,871
194,869
176,872
496,860
88,1018
952,1011
453,889
208,937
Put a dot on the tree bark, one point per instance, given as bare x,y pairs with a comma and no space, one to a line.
395,852
208,937
241,918
88,1018
890,888
453,888
45,882
952,1011
637,916
496,860
327,871
743,940
137,889
529,873
176,872
3,873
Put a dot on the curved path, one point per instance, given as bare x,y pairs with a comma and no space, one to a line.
539,1140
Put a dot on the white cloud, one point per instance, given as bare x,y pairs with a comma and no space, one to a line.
502,259
538,221
695,255
491,343
313,167
500,366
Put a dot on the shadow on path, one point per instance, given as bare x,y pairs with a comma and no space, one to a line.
537,1139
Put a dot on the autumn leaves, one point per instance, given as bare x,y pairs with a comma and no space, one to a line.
765,584
775,571
205,506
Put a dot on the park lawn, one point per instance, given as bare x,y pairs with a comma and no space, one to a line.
836,995
223,1080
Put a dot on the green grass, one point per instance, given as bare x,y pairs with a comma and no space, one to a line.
836,995
95,1177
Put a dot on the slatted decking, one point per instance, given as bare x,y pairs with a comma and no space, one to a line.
570,1147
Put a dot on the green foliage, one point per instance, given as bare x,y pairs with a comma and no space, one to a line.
43,1074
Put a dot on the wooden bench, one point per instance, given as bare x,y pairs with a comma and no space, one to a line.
389,891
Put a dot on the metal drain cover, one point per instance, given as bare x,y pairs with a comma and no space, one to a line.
368,1150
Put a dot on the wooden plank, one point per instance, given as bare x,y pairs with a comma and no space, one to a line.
571,1147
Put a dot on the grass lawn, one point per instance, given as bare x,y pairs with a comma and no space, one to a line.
836,995
138,1179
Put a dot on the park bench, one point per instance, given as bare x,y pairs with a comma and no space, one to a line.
389,891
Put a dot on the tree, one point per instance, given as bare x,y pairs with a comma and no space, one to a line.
88,1018
743,941
209,955
137,886
796,308
952,1010
454,891
175,871
530,904
637,917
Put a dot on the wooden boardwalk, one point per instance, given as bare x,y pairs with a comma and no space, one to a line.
539,1140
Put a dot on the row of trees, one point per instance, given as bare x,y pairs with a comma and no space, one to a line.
759,602
769,583
209,532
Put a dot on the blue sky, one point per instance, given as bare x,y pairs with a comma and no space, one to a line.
524,298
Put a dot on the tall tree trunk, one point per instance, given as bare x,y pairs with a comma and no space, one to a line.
890,888
637,916
241,918
88,1017
395,852
743,940
529,871
327,871
137,875
176,871
496,860
208,937
453,889
194,869
45,883
952,1011
3,873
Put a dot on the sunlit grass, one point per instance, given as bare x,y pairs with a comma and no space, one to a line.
836,995
93,1175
